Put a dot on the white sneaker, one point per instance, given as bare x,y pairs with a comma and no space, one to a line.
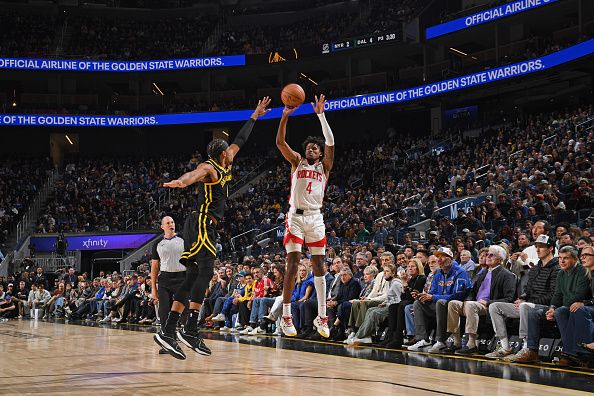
287,327
106,319
247,330
219,318
437,347
257,331
321,324
350,338
499,353
366,340
225,329
277,332
234,330
117,320
418,345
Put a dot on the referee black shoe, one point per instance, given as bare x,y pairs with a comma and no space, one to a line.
170,345
193,341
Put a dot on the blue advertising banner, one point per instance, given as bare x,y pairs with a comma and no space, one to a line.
122,66
485,16
450,207
354,102
93,242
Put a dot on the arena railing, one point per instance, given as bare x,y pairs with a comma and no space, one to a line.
232,240
22,227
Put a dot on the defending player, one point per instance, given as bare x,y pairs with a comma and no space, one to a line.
213,177
304,222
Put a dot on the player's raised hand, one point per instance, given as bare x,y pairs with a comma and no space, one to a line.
174,184
261,108
318,106
288,110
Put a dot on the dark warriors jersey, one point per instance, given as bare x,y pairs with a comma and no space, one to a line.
212,196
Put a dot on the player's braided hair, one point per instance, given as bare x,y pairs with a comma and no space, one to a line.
317,140
215,148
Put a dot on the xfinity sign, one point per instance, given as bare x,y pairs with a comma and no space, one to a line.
486,16
93,242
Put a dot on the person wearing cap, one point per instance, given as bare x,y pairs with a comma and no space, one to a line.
7,308
571,290
450,282
529,258
536,295
497,284
231,307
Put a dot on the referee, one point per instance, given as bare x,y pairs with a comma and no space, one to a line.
165,263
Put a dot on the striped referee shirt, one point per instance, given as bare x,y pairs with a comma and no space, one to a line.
168,251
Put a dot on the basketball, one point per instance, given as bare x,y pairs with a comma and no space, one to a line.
293,95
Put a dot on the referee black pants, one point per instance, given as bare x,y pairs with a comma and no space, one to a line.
168,283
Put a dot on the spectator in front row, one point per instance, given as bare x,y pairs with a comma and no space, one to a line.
349,289
571,291
536,295
8,309
582,316
450,282
414,281
376,315
495,285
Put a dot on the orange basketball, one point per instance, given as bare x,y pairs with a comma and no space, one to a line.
293,95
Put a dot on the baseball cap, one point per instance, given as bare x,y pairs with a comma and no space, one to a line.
545,240
433,233
10,285
444,251
240,273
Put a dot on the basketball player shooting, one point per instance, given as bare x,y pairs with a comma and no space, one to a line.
213,177
304,222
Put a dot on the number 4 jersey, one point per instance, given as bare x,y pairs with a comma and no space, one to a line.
308,183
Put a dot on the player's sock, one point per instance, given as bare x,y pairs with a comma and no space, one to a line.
320,284
286,309
192,321
505,343
171,323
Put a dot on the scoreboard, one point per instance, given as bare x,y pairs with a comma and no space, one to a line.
365,41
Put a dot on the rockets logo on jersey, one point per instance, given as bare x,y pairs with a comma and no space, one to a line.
307,186
309,174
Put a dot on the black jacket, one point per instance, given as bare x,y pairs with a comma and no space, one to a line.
541,283
348,291
417,283
503,286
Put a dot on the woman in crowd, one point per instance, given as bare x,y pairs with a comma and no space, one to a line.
376,315
414,280
303,289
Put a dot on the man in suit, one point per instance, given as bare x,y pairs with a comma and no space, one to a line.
497,284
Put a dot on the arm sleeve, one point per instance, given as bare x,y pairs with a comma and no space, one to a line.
244,132
326,130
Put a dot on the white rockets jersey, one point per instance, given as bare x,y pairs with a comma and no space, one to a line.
308,183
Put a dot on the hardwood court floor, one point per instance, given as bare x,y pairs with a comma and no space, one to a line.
37,357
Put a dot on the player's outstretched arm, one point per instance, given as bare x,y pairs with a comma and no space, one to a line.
328,160
246,129
203,172
287,152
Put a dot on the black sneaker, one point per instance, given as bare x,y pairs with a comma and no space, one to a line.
193,341
170,344
467,351
452,349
